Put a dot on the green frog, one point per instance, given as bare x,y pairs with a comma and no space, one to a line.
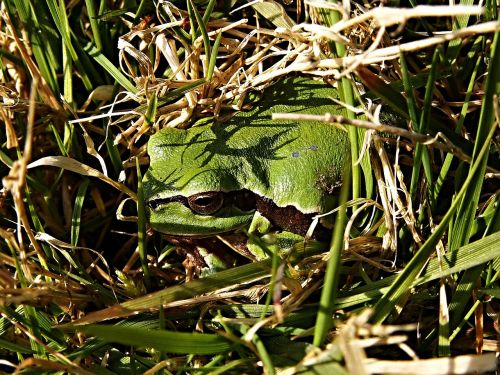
250,171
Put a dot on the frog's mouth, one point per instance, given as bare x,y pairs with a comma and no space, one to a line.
209,203
238,232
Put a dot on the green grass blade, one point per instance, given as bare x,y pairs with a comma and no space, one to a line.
94,24
10,346
68,77
190,289
113,152
273,11
471,255
38,227
444,349
112,70
150,115
406,278
329,18
167,98
398,104
412,113
42,51
208,11
192,18
459,22
141,228
77,211
213,57
264,355
464,321
140,9
167,341
493,292
60,18
463,113
421,153
465,214
204,34
461,230
59,141
332,275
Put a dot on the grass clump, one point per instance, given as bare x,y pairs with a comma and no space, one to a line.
84,84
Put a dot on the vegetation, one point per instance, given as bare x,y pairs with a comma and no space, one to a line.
412,271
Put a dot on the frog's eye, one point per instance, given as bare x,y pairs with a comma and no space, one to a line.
206,203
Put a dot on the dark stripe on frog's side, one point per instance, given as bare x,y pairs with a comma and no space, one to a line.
289,218
243,199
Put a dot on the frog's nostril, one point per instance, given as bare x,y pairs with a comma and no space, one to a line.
156,204
153,204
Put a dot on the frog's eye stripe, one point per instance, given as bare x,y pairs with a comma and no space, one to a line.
208,203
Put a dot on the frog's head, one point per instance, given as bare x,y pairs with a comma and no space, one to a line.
201,181
186,193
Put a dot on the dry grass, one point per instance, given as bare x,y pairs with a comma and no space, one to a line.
65,258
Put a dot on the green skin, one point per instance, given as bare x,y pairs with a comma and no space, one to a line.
290,163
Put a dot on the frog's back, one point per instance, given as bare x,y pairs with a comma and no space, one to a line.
291,163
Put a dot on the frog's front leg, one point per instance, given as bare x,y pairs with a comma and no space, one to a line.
256,243
263,242
260,240
250,244
205,255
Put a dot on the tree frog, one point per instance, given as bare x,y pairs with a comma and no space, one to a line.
217,178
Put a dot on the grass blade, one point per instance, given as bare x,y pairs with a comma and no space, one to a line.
77,211
94,24
204,34
405,279
421,155
332,275
167,341
112,70
330,17
141,227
